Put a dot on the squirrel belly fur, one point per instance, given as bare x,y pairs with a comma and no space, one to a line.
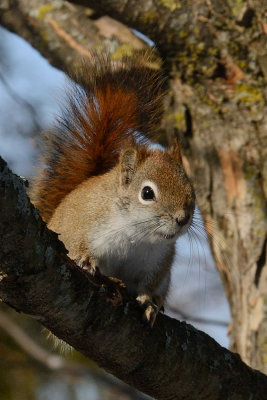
117,203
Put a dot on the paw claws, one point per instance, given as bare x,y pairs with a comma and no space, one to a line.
150,314
88,265
151,309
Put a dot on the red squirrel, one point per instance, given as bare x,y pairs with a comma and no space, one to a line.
117,203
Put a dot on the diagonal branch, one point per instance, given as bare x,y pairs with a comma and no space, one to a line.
98,318
62,32
168,23
189,33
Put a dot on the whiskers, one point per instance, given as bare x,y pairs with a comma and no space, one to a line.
135,231
209,232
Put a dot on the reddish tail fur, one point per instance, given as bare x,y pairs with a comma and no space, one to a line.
111,105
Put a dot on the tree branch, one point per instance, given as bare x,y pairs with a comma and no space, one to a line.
188,32
98,318
162,21
63,33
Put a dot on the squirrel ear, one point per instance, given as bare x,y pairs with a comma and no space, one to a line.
128,162
175,151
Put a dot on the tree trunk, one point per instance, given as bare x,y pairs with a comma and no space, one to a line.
226,153
224,130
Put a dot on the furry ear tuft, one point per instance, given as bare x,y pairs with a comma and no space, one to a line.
175,151
128,164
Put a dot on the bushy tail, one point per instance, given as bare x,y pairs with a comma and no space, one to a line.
110,104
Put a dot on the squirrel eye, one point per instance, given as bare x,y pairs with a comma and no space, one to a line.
147,193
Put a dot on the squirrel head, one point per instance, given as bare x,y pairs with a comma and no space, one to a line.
155,189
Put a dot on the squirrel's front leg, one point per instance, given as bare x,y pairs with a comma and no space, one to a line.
153,294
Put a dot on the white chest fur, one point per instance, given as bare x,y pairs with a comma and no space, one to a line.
122,253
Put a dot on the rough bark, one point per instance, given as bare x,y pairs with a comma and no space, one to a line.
223,123
191,33
227,157
215,53
63,33
172,360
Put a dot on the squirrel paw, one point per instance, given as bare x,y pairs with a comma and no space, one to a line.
151,309
88,264
151,313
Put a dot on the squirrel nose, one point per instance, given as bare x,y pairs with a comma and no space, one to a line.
182,220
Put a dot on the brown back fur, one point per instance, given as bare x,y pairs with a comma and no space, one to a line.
111,105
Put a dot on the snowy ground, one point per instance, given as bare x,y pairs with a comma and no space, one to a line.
29,98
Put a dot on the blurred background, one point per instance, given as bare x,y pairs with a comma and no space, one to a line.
31,92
